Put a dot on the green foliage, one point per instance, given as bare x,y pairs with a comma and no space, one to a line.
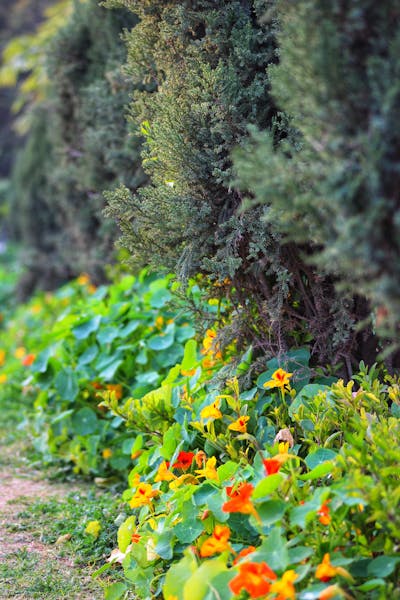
327,174
79,145
335,492
88,347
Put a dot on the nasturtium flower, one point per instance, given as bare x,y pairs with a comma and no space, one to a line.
284,587
183,480
159,322
325,571
240,500
279,379
200,458
239,425
163,473
188,372
332,591
107,453
244,552
93,528
135,538
211,411
3,377
143,495
255,578
323,512
116,388
217,543
28,360
271,465
2,357
184,460
83,279
209,471
19,353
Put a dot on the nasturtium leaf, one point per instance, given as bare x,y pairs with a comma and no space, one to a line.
185,332
318,471
164,545
107,366
371,585
115,591
41,362
271,511
189,360
108,334
125,532
177,576
267,485
188,530
160,342
382,566
160,297
227,470
319,456
66,384
299,553
88,355
84,422
129,328
82,331
306,393
198,584
273,551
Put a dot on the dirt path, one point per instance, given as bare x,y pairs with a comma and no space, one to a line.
30,569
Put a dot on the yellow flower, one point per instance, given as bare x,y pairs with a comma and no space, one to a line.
164,474
107,453
83,279
209,470
211,411
36,308
3,378
143,495
325,571
182,480
19,352
280,379
2,357
93,528
239,425
159,322
284,587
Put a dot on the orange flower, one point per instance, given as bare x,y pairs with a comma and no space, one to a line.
107,453
323,512
3,377
244,552
163,473
240,500
200,458
325,571
116,388
218,542
143,495
135,538
184,461
279,379
28,360
272,465
2,357
239,425
83,279
332,591
188,372
255,578
284,587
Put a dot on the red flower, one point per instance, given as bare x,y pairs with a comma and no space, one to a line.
184,461
255,578
272,465
323,512
28,360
